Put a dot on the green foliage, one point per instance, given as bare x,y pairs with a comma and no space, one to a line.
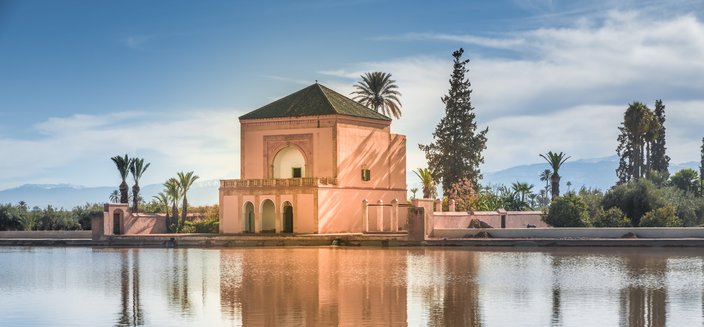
464,195
689,207
661,217
20,217
612,217
456,151
641,147
378,91
659,161
634,199
659,178
592,198
202,226
686,180
10,217
430,188
567,211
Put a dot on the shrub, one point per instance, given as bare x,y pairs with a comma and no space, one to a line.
202,226
661,217
567,211
612,217
634,198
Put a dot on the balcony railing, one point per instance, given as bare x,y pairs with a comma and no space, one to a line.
277,182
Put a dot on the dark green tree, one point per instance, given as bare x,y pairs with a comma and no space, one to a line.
659,160
637,131
567,211
634,198
456,151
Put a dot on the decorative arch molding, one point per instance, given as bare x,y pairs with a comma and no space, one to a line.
275,143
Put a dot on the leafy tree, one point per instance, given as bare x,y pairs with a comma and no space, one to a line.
661,217
659,161
634,198
414,190
115,196
10,217
378,91
430,189
689,207
555,160
137,168
456,151
522,191
123,167
185,181
592,198
638,131
163,201
686,180
567,211
612,217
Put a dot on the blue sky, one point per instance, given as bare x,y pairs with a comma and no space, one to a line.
81,81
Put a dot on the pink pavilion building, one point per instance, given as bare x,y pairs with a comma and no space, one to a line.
308,161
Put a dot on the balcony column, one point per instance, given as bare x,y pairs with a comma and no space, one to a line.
365,215
380,215
394,215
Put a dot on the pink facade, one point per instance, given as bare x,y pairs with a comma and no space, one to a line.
303,173
118,220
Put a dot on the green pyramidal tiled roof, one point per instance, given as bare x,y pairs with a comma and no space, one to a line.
314,100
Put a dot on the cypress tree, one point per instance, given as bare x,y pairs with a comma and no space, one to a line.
701,171
456,151
659,160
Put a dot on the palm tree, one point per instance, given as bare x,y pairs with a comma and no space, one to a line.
545,177
555,160
378,91
173,192
414,190
123,166
163,200
185,181
522,190
426,178
569,186
137,168
115,196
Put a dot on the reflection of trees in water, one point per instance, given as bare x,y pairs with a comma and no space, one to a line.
643,302
130,304
177,282
556,316
443,281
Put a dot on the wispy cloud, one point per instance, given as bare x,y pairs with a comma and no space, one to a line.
508,43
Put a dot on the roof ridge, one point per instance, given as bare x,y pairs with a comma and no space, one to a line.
325,95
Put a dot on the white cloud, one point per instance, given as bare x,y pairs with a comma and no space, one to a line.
80,147
565,89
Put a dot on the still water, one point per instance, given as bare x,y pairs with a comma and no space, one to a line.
351,286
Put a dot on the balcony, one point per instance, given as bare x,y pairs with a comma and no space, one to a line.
278,182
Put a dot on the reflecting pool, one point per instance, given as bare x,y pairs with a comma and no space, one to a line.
321,286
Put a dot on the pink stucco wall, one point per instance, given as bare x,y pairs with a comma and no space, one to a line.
334,146
145,224
514,219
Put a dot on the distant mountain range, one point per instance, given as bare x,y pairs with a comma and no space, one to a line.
595,173
68,196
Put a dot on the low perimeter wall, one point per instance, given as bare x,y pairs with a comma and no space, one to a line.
49,234
514,219
641,232
145,224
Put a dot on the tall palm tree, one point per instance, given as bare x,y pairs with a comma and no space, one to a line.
378,91
115,196
555,160
173,192
137,168
185,181
123,166
522,189
426,179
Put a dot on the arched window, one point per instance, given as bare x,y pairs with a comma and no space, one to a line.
268,217
248,217
289,163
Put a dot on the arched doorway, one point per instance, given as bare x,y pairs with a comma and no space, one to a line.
268,217
248,217
289,162
287,217
117,222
